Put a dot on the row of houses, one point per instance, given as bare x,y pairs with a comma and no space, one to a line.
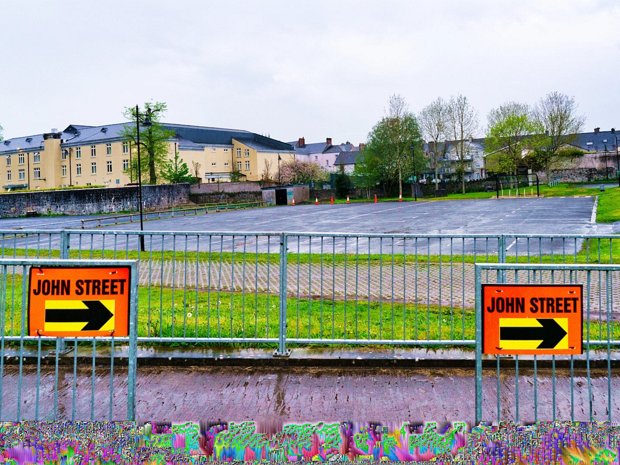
83,155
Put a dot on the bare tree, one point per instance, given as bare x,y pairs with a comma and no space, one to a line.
557,113
463,122
433,120
505,110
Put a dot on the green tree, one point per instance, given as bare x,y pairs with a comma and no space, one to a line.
176,171
153,138
396,143
367,172
557,115
511,137
343,184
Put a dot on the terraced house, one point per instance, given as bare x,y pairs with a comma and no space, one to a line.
98,156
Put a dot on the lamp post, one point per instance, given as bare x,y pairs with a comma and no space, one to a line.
415,178
146,122
613,131
279,177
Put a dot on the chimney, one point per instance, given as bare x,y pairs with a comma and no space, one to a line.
596,130
328,141
361,147
301,143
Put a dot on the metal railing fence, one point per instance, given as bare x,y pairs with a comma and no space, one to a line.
536,392
48,378
279,289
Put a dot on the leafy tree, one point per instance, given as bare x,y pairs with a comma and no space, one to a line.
397,144
507,109
176,171
343,184
463,122
557,115
367,172
153,138
434,125
299,172
513,133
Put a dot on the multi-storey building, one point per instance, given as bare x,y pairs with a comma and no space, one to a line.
99,155
321,153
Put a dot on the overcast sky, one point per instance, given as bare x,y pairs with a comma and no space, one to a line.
292,68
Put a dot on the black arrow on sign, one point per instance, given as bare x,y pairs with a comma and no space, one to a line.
96,315
550,332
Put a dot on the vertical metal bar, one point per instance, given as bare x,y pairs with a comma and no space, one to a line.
3,285
440,288
535,388
310,301
380,288
132,367
197,280
185,273
56,376
231,294
588,294
608,286
346,254
553,378
321,290
92,381
392,293
283,275
111,400
38,390
478,384
267,309
20,387
498,388
404,288
173,284
245,243
357,275
334,287
298,283
516,388
74,384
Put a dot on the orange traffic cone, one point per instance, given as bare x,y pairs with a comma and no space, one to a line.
293,204
331,200
316,200
348,201
400,197
375,198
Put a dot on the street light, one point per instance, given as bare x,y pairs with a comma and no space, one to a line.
415,178
146,122
613,131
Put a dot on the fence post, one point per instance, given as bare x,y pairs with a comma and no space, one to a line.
65,245
132,361
501,258
478,414
282,351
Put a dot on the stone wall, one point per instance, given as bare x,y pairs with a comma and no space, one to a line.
93,201
225,187
227,197
580,175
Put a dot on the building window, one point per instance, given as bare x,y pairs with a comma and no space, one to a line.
63,169
225,163
238,166
213,163
93,168
108,166
108,149
225,150
125,147
8,160
37,157
78,152
21,174
20,159
36,173
93,151
247,153
247,165
78,169
65,154
125,165
238,153
8,175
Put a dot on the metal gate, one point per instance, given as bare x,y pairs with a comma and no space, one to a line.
530,388
49,378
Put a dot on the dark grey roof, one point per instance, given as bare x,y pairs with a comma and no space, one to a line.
596,141
188,137
347,158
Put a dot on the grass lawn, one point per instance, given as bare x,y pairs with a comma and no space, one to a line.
164,312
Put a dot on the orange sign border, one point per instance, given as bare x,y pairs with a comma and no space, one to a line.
494,333
121,316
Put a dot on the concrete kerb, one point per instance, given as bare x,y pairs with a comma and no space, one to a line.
310,357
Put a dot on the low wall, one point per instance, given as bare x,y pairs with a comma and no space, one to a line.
226,197
93,201
580,175
225,187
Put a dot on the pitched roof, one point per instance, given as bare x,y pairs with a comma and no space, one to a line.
347,158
